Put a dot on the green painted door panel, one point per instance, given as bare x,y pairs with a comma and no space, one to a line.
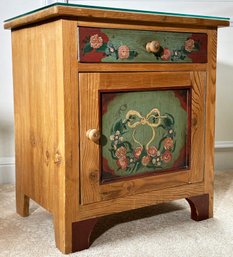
144,132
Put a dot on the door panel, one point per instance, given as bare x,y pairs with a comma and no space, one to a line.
151,132
144,132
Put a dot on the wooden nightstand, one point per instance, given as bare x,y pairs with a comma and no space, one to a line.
114,110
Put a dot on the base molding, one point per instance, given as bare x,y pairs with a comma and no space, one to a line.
220,145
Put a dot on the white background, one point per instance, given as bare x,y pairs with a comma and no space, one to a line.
224,113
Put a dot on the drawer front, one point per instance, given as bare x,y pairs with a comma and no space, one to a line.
124,46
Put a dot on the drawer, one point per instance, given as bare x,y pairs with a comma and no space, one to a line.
142,46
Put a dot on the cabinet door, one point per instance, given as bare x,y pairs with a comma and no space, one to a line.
151,127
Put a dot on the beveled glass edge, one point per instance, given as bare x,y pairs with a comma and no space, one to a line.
122,10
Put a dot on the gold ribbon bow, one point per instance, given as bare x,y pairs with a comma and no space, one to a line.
154,113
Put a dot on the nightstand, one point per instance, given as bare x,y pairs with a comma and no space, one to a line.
114,110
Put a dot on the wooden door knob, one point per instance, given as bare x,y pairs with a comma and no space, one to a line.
93,135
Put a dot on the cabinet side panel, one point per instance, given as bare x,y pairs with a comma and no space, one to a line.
39,111
69,30
210,118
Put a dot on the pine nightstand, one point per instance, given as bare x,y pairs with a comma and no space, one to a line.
114,110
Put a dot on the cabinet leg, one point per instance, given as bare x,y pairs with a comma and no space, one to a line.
200,209
73,237
22,204
81,232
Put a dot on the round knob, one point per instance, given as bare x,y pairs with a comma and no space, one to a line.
153,46
93,135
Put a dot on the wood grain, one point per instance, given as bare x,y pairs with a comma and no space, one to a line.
38,120
89,154
137,67
97,15
118,25
90,85
210,119
45,122
143,184
139,200
56,100
21,104
143,80
197,126
71,130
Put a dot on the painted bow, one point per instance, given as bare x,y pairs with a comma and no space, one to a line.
149,120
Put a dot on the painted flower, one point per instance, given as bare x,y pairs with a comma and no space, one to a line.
131,160
145,160
122,162
116,137
152,151
166,54
111,49
123,52
137,152
120,152
168,143
166,156
96,41
175,53
189,45
154,161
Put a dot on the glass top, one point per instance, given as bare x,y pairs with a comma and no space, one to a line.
122,10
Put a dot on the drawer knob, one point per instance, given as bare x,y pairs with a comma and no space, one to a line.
153,46
93,135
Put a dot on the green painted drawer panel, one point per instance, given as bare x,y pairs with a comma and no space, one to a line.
124,46
144,132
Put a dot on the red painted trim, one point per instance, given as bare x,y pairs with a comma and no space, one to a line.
201,55
84,36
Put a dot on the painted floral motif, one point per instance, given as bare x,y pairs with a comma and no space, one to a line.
120,152
128,158
123,52
122,162
107,48
189,45
137,152
167,156
146,160
117,45
168,143
96,41
164,54
152,151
